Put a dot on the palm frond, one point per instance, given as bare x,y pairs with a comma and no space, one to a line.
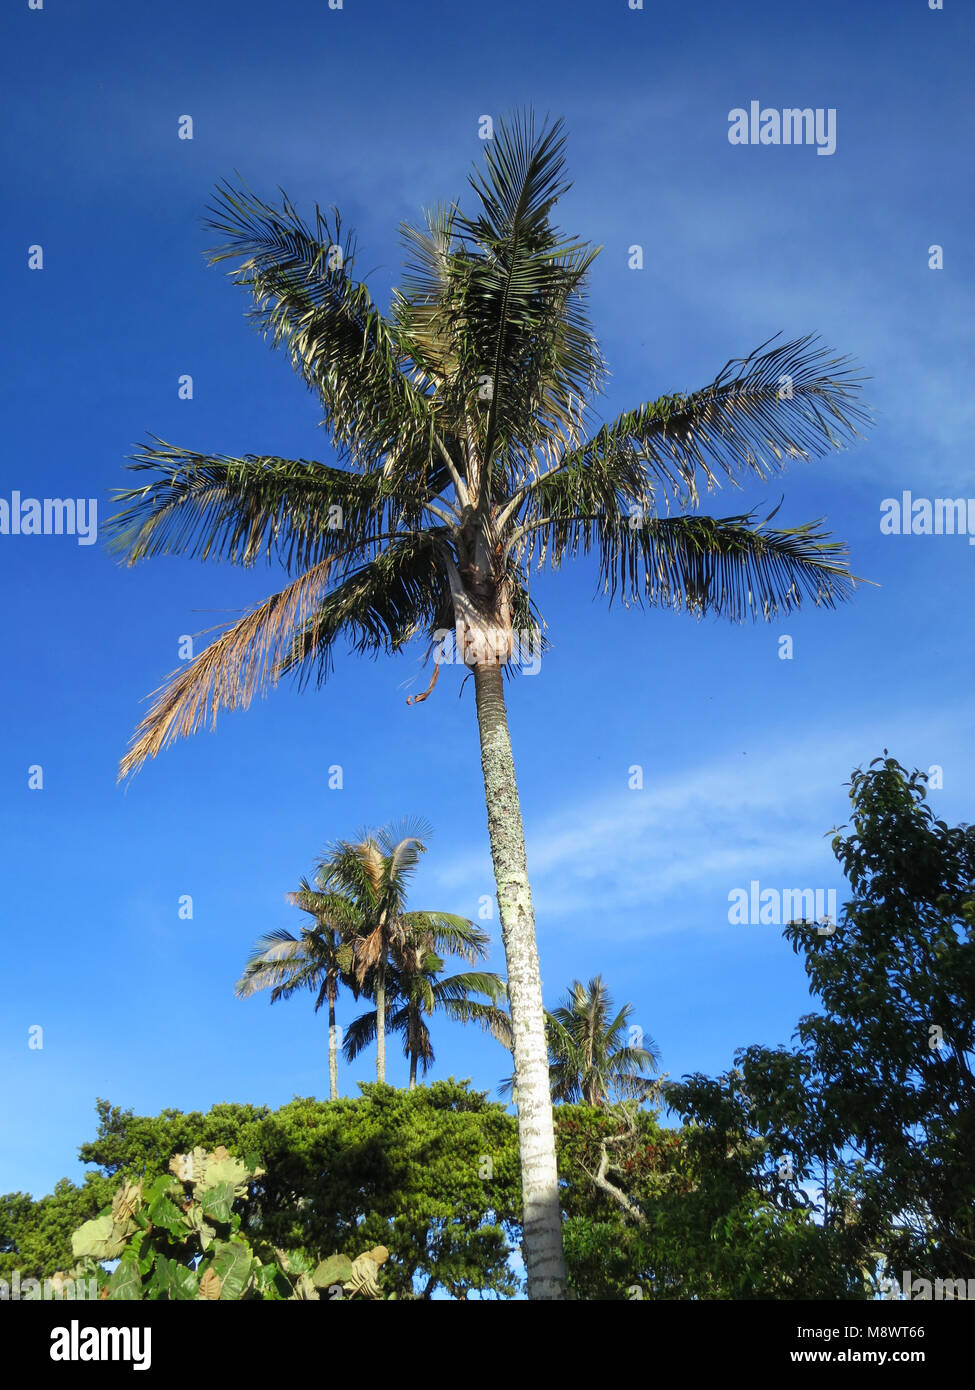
526,328
212,506
449,933
734,567
379,607
336,338
243,661
794,401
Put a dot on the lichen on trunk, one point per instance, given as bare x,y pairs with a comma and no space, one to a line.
542,1223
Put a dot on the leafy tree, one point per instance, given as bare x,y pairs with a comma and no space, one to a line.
695,1213
179,1237
415,983
35,1235
740,1138
431,1174
320,959
468,454
892,1052
869,1121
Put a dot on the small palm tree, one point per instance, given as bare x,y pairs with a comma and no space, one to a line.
414,983
590,1057
469,456
319,959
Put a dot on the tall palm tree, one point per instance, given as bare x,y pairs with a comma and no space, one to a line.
468,455
374,872
414,983
320,959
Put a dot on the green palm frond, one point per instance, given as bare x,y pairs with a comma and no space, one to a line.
450,933
298,511
379,607
794,401
734,566
336,338
526,327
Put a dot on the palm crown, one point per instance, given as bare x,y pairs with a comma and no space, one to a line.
596,1053
462,421
364,938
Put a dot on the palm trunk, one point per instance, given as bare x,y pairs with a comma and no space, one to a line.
381,1021
333,1054
412,1071
542,1228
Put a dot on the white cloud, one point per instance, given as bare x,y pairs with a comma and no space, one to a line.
638,863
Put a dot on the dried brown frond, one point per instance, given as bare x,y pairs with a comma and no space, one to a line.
240,663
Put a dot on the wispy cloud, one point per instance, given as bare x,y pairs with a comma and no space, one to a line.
636,863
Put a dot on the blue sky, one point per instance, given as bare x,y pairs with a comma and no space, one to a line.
375,108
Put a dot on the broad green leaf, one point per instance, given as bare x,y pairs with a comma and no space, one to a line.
126,1282
232,1261
217,1201
335,1270
101,1238
165,1213
172,1281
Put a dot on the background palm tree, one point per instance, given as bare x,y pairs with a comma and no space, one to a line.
468,455
320,959
374,872
414,985
591,1057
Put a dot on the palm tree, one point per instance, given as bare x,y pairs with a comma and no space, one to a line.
414,983
374,872
320,959
589,1059
468,455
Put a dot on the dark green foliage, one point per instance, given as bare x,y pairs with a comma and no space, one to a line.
868,1113
35,1236
432,1175
891,1057
713,1227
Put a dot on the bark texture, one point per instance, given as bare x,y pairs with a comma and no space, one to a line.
542,1238
381,1022
333,1058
